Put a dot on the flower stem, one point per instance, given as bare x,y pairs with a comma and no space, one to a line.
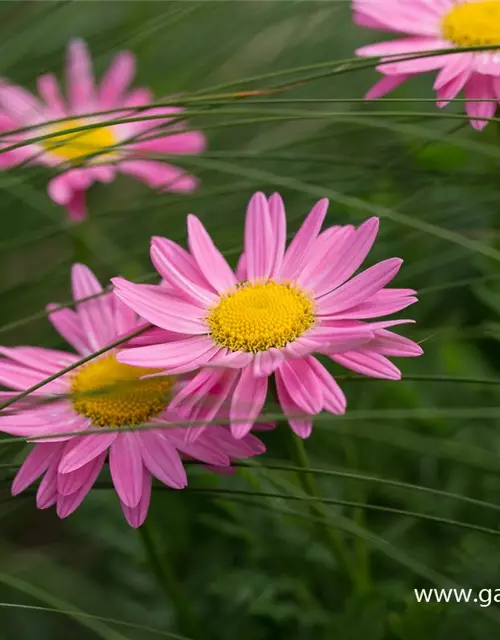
331,536
361,550
166,578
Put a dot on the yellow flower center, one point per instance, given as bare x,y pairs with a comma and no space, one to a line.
112,394
79,145
258,316
473,24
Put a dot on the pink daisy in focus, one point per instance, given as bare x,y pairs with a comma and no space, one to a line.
431,25
102,393
96,154
269,317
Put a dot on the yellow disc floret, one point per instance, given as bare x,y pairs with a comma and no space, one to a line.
112,394
258,316
80,144
473,24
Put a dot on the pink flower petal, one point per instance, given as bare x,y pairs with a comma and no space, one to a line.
159,175
66,504
241,268
302,426
419,65
352,255
68,483
183,143
375,307
184,261
231,359
330,338
209,259
385,85
76,207
205,448
125,319
96,315
388,343
458,66
117,79
194,351
414,17
67,323
79,77
278,224
266,362
333,397
166,265
486,63
303,241
316,269
259,241
21,105
37,462
126,467
344,259
368,363
302,385
47,361
247,402
360,288
399,47
202,397
481,88
105,173
135,516
155,305
20,377
60,189
162,459
46,494
49,90
85,449
138,97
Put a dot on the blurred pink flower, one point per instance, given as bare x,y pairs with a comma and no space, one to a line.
432,25
71,464
268,317
96,154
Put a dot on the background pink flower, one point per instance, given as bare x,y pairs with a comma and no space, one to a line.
432,26
97,154
281,306
70,464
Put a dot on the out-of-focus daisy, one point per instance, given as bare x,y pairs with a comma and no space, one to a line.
102,393
270,316
95,154
432,25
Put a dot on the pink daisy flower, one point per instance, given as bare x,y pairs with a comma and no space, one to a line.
95,155
269,317
71,464
430,25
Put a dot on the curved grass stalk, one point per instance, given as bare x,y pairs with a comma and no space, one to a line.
82,614
347,474
284,115
41,595
321,419
314,498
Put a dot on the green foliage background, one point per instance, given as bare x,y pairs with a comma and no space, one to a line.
254,566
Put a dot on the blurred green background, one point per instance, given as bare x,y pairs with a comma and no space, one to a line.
252,566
